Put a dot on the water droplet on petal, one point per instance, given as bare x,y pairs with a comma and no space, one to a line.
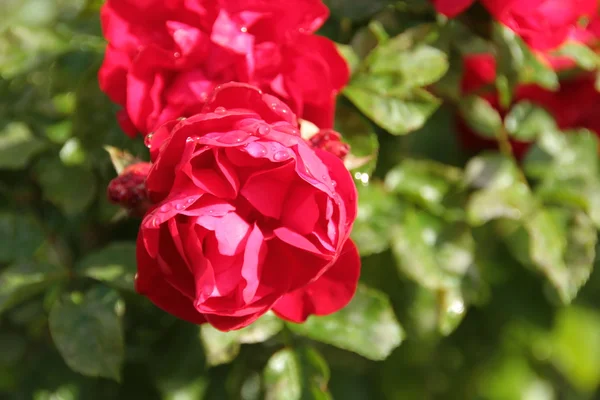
263,130
244,29
190,139
211,212
220,110
156,222
148,140
233,137
256,150
165,207
333,183
281,155
190,200
177,54
274,106
179,206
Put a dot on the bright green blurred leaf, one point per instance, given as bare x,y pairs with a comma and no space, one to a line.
23,280
295,374
511,202
526,120
18,146
88,334
377,211
115,265
481,116
367,326
583,56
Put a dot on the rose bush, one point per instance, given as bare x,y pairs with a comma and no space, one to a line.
543,24
247,217
574,105
165,57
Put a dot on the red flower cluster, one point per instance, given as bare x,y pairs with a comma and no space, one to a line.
165,57
574,105
543,24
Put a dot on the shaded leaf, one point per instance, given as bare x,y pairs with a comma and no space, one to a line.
88,334
115,264
18,146
20,236
479,114
526,120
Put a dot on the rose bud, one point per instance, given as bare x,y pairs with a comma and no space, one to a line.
331,141
128,190
247,217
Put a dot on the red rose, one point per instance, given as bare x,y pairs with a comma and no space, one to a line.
165,57
451,8
128,190
543,24
247,217
574,105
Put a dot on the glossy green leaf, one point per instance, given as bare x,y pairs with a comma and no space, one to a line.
367,326
295,374
72,189
23,280
223,347
115,265
88,332
526,120
481,116
377,211
511,202
18,146
434,254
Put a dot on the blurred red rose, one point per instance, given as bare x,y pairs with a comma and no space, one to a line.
543,24
574,105
451,8
165,56
247,217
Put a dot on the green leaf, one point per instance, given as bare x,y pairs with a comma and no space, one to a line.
355,10
560,244
223,347
115,265
20,236
526,120
361,137
398,113
24,280
479,114
349,55
575,341
18,146
511,202
88,333
376,209
72,189
431,185
431,253
72,153
367,326
583,56
295,374
491,170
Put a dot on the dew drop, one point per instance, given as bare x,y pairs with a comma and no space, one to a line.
148,140
263,130
233,137
333,183
281,155
211,212
165,207
256,150
156,222
190,200
244,29
179,206
274,106
220,110
177,54
190,139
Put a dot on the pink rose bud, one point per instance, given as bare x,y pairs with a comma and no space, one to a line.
247,217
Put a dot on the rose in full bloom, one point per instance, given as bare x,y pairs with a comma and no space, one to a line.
247,217
166,56
543,24
574,105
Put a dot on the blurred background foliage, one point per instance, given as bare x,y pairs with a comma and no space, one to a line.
473,265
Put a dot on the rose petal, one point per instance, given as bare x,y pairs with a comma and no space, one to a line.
254,256
231,232
267,190
328,294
